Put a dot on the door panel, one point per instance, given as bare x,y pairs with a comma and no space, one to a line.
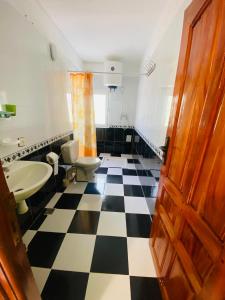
163,251
179,287
190,206
196,107
170,207
209,196
199,255
161,244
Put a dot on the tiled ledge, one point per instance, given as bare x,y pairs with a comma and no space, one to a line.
157,151
121,126
30,149
116,126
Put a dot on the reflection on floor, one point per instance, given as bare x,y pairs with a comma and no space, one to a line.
94,246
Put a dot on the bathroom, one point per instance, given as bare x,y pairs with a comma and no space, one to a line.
86,91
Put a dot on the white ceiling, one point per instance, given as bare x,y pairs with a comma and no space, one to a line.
101,29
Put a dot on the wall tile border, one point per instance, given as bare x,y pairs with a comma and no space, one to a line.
116,126
157,151
30,149
121,126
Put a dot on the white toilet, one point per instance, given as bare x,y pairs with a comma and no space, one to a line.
85,166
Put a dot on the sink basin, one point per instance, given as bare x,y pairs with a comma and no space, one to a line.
25,178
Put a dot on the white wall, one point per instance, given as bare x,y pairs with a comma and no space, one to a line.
154,93
29,79
36,15
123,100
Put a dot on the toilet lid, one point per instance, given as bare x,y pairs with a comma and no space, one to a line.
88,161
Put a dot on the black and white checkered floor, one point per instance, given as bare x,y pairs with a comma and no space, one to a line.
95,244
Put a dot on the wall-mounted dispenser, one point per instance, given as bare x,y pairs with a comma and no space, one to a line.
53,159
7,110
113,74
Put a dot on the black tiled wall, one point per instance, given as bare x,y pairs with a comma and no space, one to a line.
141,147
113,140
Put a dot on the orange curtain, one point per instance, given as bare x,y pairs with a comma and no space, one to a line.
83,113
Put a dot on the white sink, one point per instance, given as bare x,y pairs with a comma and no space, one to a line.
25,178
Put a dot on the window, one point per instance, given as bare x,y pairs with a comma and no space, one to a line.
69,107
100,106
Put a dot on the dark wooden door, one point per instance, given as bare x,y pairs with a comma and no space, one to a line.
188,231
16,278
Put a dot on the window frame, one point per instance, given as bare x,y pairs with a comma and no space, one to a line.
102,92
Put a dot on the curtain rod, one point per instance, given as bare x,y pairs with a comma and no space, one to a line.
149,68
110,73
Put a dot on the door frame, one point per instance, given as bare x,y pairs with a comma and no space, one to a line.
16,278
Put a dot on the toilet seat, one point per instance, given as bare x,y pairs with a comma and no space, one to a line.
88,162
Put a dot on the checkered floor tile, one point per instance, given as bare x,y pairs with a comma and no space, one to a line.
94,246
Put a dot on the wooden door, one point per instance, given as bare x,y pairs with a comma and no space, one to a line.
16,278
188,231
